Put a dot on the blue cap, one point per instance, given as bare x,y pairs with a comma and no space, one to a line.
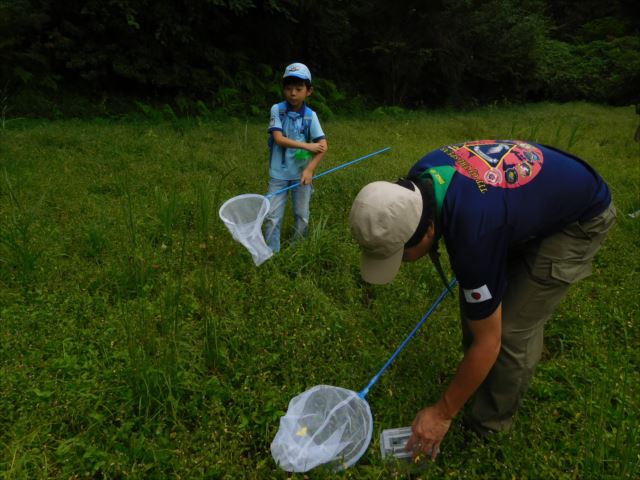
299,70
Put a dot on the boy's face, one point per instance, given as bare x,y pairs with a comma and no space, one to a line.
296,94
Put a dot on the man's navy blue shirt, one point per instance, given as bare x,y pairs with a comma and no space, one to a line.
504,193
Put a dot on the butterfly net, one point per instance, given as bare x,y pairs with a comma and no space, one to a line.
243,215
323,425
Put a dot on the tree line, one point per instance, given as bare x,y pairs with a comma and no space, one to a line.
228,55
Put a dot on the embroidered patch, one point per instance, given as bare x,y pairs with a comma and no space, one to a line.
498,163
511,175
493,176
477,295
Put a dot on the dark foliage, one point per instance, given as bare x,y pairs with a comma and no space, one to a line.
69,57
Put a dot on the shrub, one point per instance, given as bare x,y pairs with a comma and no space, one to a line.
604,71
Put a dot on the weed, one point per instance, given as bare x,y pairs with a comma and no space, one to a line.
204,208
573,136
317,252
95,241
4,105
167,210
17,238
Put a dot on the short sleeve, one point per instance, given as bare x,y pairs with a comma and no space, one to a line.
274,120
316,132
481,270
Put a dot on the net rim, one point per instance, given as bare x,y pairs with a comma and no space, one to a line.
241,197
365,445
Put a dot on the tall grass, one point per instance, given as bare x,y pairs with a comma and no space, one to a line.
138,340
16,236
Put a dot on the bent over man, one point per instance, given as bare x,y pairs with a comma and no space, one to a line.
521,222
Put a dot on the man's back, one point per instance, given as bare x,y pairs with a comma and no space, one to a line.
506,193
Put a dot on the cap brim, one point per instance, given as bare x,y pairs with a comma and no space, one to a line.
380,271
297,75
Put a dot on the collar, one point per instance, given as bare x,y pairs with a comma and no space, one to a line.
300,111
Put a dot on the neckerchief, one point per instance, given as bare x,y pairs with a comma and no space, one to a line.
440,179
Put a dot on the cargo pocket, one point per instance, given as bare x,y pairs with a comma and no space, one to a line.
570,272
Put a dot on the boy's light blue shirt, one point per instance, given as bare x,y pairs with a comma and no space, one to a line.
283,165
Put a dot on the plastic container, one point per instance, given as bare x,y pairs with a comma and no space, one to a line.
393,441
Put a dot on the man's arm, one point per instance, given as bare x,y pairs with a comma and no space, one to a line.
432,423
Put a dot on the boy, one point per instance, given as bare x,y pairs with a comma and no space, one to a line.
296,146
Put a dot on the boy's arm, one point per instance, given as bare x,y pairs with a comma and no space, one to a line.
307,173
284,142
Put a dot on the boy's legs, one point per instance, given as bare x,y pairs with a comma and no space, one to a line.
273,220
301,197
538,280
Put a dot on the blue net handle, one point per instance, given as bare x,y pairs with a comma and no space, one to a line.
297,184
364,391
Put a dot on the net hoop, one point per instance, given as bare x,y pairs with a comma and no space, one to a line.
243,216
337,433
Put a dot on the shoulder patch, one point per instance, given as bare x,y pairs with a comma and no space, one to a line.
477,295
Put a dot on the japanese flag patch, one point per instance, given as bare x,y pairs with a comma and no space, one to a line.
477,295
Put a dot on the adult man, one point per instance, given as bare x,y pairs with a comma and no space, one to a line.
521,223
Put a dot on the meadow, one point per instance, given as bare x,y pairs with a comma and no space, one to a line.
138,340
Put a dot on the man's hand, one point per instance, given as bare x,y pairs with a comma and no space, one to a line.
429,428
432,423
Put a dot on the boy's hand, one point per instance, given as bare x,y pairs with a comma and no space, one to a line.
320,147
306,177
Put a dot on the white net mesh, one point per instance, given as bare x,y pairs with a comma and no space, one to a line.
243,215
323,425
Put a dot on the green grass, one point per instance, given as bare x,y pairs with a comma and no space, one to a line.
138,340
